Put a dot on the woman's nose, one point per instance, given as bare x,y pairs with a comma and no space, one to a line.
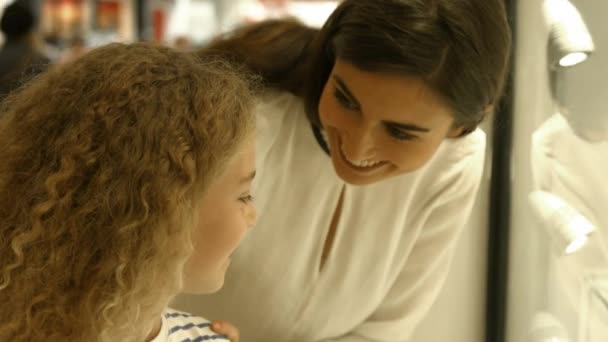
360,144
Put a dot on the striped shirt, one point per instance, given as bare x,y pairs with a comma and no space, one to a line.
178,326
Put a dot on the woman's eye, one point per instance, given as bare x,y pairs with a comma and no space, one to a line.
399,134
344,101
246,199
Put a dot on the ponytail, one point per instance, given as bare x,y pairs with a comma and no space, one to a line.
278,50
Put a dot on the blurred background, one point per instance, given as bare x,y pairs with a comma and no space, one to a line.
532,265
66,25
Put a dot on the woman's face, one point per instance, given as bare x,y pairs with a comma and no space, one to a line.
225,214
380,125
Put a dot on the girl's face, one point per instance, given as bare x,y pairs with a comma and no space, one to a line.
226,213
381,125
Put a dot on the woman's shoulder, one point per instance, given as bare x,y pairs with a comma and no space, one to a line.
472,143
458,163
182,326
464,152
275,111
277,102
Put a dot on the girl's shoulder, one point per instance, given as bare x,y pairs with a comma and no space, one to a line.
182,326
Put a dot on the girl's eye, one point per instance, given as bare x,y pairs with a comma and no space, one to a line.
344,101
246,199
399,134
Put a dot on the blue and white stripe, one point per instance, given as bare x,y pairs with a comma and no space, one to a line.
184,327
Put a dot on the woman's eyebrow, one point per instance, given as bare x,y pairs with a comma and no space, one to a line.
407,126
345,89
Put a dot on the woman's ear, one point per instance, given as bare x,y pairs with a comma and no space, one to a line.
455,132
488,109
459,130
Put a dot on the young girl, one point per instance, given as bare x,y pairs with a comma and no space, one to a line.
369,148
124,180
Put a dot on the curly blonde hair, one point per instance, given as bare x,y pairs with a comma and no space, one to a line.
102,162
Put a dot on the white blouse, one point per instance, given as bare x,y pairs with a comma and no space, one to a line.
391,251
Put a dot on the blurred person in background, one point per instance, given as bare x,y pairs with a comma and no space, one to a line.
20,58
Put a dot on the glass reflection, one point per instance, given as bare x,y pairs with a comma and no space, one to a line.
569,158
594,327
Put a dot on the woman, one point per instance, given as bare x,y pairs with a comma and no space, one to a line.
369,159
124,180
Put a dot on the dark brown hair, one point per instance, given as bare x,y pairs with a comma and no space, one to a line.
460,48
